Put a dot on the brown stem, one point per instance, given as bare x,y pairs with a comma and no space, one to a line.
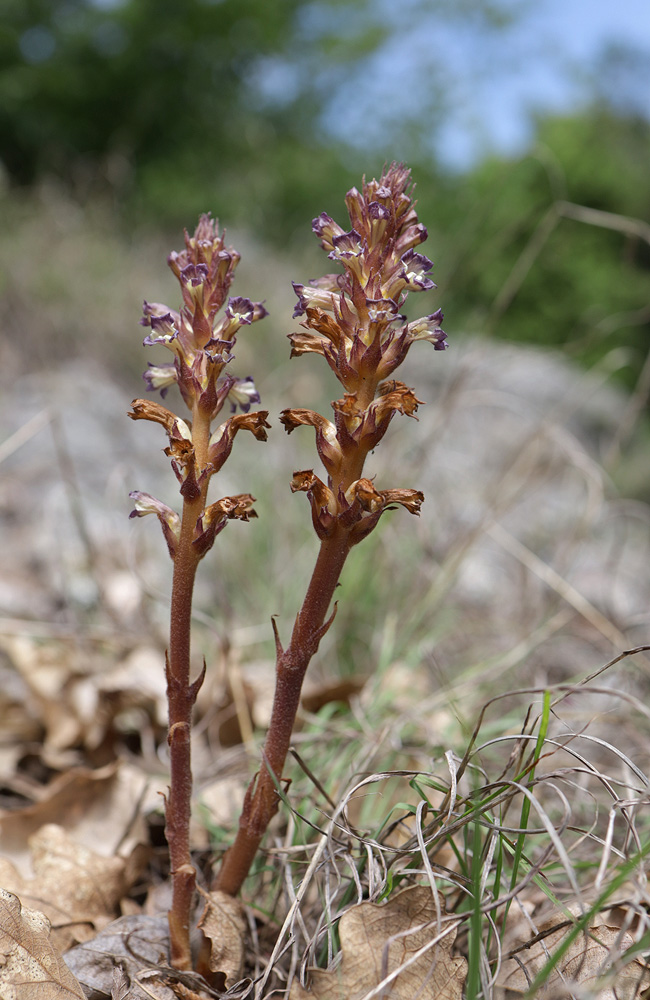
181,695
261,801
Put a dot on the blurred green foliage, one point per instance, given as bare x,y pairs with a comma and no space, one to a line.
169,109
511,264
168,106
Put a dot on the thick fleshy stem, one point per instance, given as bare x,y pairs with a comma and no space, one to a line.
181,696
262,800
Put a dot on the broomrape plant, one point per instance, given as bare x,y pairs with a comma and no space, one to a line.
352,319
201,340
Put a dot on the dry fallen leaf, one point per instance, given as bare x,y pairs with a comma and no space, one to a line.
75,697
316,697
587,962
121,984
223,798
72,885
223,923
376,940
99,808
138,946
30,964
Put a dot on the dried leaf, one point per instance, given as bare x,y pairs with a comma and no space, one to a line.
224,799
377,940
97,806
121,984
50,674
138,946
316,697
588,960
73,886
66,693
224,924
30,965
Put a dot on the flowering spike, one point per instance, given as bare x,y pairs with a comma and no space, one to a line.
357,312
201,337
355,321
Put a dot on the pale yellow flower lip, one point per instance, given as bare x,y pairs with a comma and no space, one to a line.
170,522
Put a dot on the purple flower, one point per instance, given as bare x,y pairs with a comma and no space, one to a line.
347,245
244,311
170,522
416,268
326,229
160,377
163,323
242,393
377,211
383,310
194,274
428,328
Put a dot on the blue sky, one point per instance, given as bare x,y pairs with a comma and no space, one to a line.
561,41
446,69
489,81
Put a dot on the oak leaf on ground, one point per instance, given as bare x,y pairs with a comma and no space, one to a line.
31,966
99,807
224,924
76,698
378,940
590,962
74,887
138,945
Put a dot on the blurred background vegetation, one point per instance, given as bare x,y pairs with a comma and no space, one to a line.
122,120
152,111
